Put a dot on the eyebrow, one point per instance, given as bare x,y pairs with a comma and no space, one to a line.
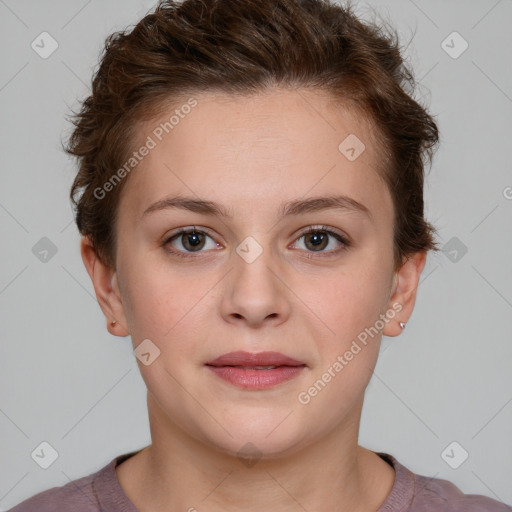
295,207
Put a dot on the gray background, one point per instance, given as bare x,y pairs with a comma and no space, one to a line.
66,381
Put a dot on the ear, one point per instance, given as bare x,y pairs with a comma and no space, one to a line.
104,280
407,278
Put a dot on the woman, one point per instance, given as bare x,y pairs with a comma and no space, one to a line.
250,195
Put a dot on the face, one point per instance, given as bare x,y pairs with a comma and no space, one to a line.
260,275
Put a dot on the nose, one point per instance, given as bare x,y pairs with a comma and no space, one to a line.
255,293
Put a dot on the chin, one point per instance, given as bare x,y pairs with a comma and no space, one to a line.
260,439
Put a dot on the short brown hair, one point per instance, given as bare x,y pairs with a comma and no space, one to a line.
245,47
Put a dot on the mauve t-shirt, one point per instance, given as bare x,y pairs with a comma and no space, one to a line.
101,492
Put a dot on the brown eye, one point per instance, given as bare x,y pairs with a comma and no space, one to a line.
189,241
316,241
193,240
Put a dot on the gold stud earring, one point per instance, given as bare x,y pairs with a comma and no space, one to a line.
113,323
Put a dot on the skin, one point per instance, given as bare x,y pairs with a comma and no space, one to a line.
250,154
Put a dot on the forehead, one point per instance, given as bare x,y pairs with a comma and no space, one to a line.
249,150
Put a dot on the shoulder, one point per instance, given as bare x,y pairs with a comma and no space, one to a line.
77,496
419,493
442,495
446,496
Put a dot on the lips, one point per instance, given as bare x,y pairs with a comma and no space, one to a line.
255,371
259,360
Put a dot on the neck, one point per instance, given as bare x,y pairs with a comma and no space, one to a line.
179,472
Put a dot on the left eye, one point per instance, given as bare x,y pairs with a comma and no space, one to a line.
318,239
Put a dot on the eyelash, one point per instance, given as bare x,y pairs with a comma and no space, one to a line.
311,254
325,254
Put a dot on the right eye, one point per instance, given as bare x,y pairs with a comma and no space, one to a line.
191,240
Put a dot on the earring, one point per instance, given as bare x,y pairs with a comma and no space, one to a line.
402,325
113,323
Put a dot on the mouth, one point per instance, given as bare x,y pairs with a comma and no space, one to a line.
255,370
254,360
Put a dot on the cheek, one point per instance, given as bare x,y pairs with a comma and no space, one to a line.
160,301
354,298
351,305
